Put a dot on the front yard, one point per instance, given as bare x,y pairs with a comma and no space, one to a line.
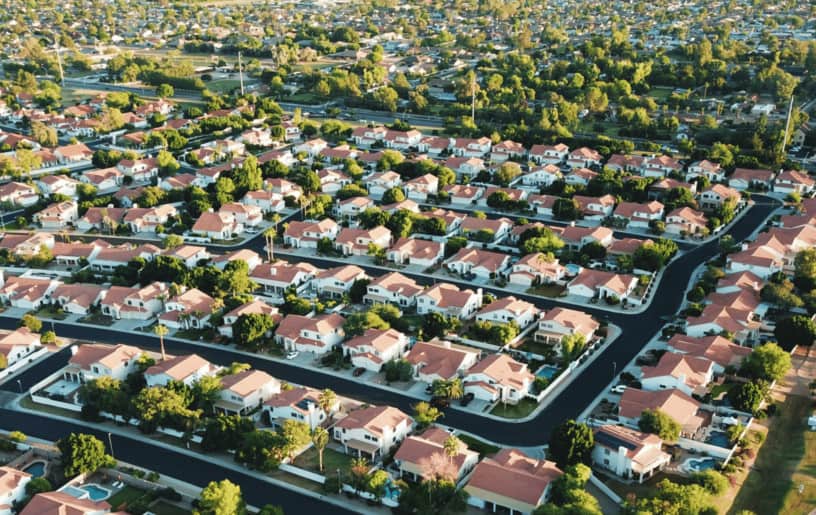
332,460
547,290
520,410
97,319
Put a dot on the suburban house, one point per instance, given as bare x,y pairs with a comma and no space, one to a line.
372,432
508,309
191,309
78,298
507,149
549,154
245,391
481,263
26,292
142,170
534,269
718,319
718,194
307,234
414,251
576,237
660,166
499,228
141,219
402,140
595,208
350,208
91,361
217,226
580,177
510,194
689,374
123,303
267,201
421,187
720,351
628,453
59,503
378,183
299,404
685,220
542,176
639,215
356,242
19,194
465,166
58,216
367,136
187,369
18,344
559,322
705,168
601,284
417,452
337,281
448,300
500,378
12,488
511,482
674,403
255,307
463,194
744,178
584,158
793,181
275,278
440,360
392,288
246,215
317,335
375,347
470,147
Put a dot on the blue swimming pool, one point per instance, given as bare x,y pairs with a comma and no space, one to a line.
700,464
36,469
719,438
96,492
547,371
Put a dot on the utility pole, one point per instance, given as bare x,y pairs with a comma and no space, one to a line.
787,126
59,60
240,73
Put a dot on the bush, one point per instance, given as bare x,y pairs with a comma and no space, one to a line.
169,494
713,481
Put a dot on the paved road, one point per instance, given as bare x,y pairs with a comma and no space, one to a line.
637,329
198,471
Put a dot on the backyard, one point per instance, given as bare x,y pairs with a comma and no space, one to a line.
332,460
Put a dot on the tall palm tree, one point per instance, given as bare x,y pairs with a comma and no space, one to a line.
269,235
320,439
327,400
160,331
455,388
451,447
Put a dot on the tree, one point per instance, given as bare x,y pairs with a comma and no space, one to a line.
804,270
714,482
671,499
393,196
358,290
271,509
433,496
748,396
172,241
425,414
572,345
225,432
398,370
326,401
165,91
167,162
357,323
83,454
31,322
37,485
795,330
659,423
250,329
221,498
320,439
44,135
161,330
571,443
507,172
294,435
768,362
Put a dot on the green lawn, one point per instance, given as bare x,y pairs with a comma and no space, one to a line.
97,319
332,460
786,461
165,508
124,497
480,446
520,410
530,345
547,290
51,312
223,85
719,389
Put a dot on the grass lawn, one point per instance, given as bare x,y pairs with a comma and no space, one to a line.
125,496
520,410
482,447
530,345
303,98
547,290
660,93
332,460
97,319
51,312
719,389
786,461
27,403
223,85
647,489
196,334
163,507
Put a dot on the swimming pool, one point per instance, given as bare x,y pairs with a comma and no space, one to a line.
699,464
96,492
36,469
547,371
719,438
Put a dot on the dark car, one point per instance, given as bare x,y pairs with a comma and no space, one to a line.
358,372
466,399
440,402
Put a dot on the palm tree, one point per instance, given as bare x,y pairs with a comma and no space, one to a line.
359,472
440,388
269,235
455,389
320,439
451,447
160,331
327,400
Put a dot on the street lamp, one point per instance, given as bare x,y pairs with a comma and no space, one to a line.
614,368
339,483
20,385
110,442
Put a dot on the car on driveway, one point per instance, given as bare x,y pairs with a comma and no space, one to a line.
467,399
358,372
292,354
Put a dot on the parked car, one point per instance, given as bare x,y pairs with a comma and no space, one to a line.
292,354
358,372
467,399
619,388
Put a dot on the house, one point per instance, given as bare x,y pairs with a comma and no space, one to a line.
674,403
393,288
418,452
250,257
246,391
332,181
283,188
506,194
772,251
402,140
451,219
120,302
375,347
191,309
149,219
298,404
27,245
58,216
508,309
311,148
356,242
317,335
92,361
595,208
718,319
469,147
580,177
505,150
625,163
689,374
448,300
660,166
373,431
720,351
414,251
421,187
111,257
534,269
511,482
378,183
498,378
440,360
628,453
275,278
19,194
498,228
639,215
705,168
717,195
217,226
559,322
77,298
267,201
549,154
307,234
542,176
368,136
255,307
601,284
576,237
12,488
61,503
246,215
481,263
793,181
584,158
102,219
744,178
466,166
74,153
462,194
685,220
542,204
179,181
337,281
190,255
187,369
659,188
142,170
27,292
350,208
18,344
739,281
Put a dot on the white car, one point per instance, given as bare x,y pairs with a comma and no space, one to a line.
292,354
619,388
